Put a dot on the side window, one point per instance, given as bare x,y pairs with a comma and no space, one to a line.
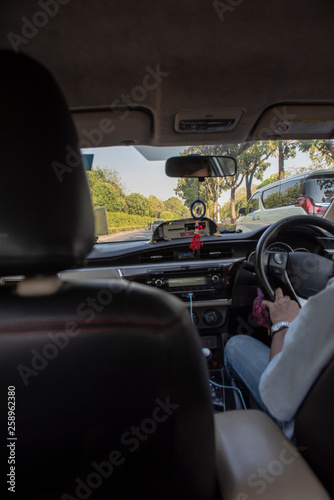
270,197
253,204
290,191
320,188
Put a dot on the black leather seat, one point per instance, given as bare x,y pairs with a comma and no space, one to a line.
314,428
110,386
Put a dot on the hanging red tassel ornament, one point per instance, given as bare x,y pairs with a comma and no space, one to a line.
196,241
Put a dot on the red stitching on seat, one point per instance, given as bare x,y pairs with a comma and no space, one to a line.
97,320
116,323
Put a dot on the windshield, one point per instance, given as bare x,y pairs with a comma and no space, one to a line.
132,195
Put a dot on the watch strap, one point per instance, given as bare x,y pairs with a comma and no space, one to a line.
280,325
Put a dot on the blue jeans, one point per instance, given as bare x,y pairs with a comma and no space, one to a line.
245,360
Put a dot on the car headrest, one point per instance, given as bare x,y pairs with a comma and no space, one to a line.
46,216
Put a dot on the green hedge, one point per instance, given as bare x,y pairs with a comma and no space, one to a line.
120,221
124,228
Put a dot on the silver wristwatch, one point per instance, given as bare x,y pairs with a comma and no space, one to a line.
276,327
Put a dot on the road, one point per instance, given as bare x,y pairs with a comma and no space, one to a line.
138,234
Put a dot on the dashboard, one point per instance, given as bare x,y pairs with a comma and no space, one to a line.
217,283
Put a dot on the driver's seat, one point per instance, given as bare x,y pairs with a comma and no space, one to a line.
314,427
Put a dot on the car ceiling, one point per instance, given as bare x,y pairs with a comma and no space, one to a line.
255,54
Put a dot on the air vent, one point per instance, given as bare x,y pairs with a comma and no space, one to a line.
173,256
156,257
215,253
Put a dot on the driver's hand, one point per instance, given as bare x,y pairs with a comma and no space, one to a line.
283,309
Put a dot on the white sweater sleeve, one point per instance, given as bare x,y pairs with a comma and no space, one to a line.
308,347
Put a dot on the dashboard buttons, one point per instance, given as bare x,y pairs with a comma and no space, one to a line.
206,282
211,317
278,258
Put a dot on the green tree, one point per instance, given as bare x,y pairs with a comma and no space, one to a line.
176,206
254,161
156,206
270,180
105,194
240,201
137,204
111,176
286,150
225,210
301,170
189,190
320,152
168,216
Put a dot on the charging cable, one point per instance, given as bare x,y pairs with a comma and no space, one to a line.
190,295
230,387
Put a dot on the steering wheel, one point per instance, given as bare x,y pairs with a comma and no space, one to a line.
303,274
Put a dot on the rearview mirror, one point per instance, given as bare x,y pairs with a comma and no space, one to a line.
201,166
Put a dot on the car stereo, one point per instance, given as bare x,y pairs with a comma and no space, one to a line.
200,282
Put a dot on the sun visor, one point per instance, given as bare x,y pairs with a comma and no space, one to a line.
112,128
299,121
